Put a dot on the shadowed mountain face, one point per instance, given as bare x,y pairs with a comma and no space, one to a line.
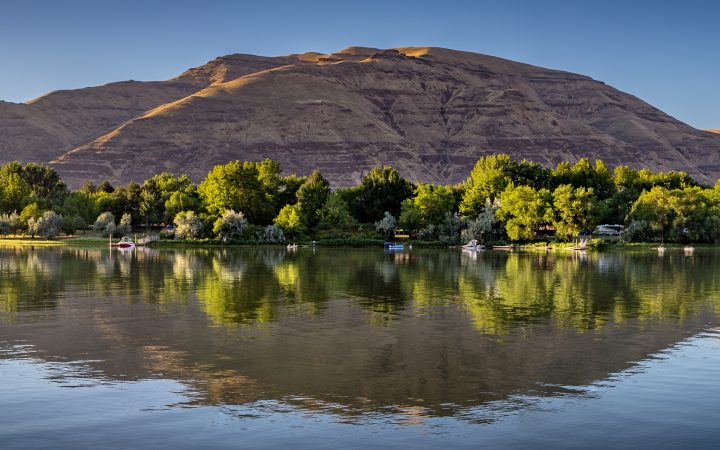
429,112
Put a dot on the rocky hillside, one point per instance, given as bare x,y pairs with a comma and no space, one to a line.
429,112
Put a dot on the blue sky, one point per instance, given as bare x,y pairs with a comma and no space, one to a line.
666,53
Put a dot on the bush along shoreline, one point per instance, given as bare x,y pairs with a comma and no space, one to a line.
502,202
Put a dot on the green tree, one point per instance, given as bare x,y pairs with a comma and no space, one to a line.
654,207
289,220
164,195
79,205
434,203
311,197
335,212
70,224
31,211
15,191
45,184
488,179
524,210
382,190
574,210
237,186
411,219
286,191
106,187
180,201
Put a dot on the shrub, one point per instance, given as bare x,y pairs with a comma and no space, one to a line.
271,234
47,226
596,244
386,225
187,225
105,222
125,226
429,233
232,226
449,230
72,223
10,224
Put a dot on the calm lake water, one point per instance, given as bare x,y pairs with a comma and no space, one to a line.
340,348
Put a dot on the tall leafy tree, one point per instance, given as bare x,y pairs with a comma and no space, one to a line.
411,219
16,192
311,197
574,210
488,179
237,186
79,205
524,210
180,201
382,190
434,203
654,207
45,184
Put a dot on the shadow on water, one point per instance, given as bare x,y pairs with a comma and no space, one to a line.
352,332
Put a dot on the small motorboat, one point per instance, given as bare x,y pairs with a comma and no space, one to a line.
125,242
394,246
689,251
473,246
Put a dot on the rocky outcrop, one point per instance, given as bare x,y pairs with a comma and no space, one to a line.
429,112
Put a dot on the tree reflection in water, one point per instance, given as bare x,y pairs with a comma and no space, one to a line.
429,332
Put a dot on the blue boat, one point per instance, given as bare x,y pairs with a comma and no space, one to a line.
394,246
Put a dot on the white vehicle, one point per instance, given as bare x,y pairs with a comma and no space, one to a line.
609,230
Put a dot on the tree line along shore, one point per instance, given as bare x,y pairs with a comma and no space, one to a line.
501,201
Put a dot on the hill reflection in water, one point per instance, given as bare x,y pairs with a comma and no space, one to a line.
355,333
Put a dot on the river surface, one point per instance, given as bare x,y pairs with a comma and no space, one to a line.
342,348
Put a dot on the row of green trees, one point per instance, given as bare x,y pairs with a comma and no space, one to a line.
502,199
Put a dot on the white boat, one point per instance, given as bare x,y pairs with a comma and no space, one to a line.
292,247
473,246
125,242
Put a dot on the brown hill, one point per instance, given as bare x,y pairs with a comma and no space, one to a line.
430,112
714,131
48,126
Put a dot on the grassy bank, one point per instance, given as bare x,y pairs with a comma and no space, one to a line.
99,241
85,241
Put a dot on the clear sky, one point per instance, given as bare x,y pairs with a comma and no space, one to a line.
665,52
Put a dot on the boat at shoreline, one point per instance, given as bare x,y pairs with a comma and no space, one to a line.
125,242
394,246
473,246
